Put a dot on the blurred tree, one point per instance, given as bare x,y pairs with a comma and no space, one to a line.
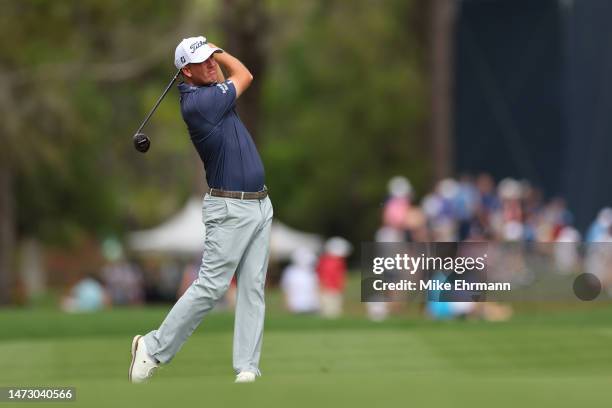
75,80
7,231
337,107
442,15
245,25
343,111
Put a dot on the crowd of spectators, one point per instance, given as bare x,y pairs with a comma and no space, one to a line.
512,216
475,208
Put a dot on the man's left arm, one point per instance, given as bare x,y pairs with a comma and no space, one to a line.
240,76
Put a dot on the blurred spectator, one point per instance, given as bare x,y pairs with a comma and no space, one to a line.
443,310
331,270
377,309
599,258
566,255
488,202
395,211
599,228
123,281
87,295
389,234
299,283
396,207
490,311
510,220
439,209
465,205
402,221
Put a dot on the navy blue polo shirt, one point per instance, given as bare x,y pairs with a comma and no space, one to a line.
224,144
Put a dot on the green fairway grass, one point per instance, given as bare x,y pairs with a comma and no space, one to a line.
551,359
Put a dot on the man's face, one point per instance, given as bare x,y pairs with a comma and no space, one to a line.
203,73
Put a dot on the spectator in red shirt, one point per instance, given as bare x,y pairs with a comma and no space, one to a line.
332,275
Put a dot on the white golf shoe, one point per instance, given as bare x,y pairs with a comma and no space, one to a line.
245,377
143,365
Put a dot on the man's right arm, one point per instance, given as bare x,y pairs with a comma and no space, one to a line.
236,71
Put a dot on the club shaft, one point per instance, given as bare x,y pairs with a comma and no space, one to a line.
146,119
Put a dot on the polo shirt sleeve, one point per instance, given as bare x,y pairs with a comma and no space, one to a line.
215,101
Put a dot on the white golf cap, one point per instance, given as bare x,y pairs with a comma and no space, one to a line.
193,50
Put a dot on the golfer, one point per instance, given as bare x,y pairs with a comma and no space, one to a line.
237,214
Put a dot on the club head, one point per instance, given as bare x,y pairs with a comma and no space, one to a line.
141,142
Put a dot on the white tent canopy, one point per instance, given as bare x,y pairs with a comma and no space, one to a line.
183,234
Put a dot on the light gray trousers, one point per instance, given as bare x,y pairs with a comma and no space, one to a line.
237,241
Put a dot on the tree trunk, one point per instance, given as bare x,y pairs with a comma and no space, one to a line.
244,25
31,268
442,24
7,234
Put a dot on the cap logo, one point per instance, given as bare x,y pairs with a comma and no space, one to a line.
182,60
196,45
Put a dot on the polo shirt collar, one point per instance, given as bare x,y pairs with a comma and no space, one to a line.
186,88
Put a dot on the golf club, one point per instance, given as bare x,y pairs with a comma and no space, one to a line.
142,141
